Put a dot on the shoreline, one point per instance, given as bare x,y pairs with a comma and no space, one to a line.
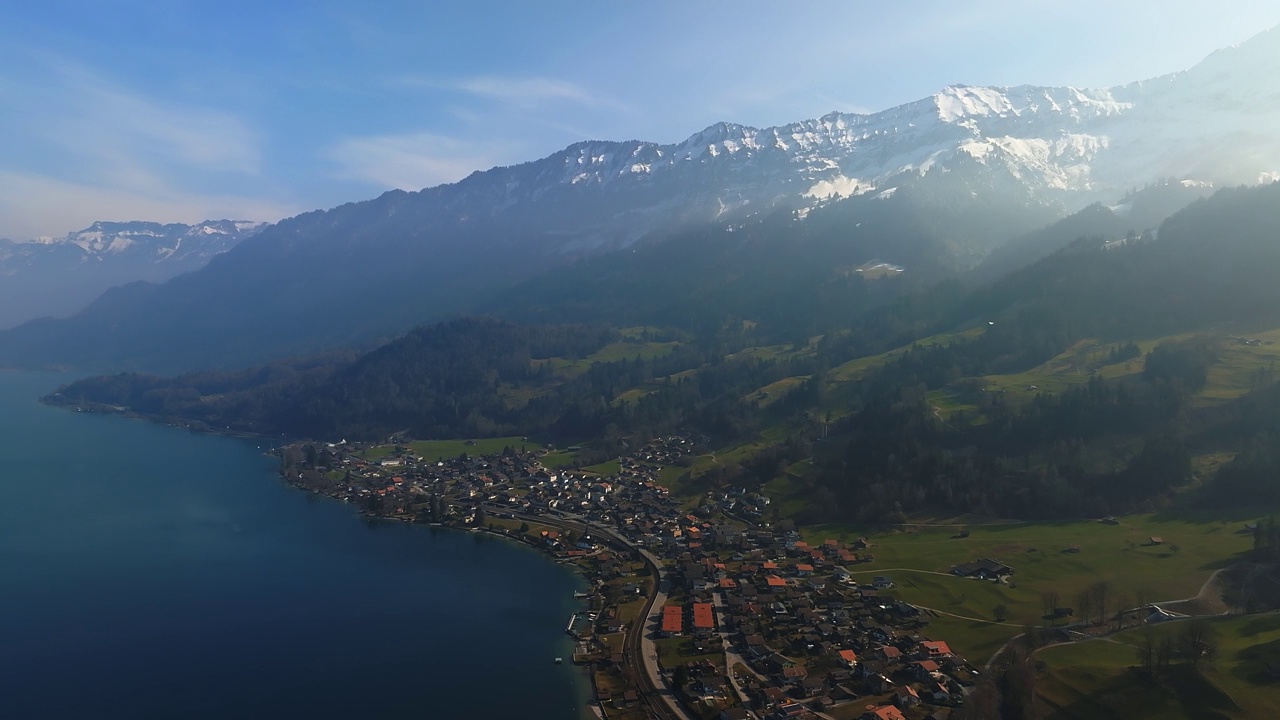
592,700
177,423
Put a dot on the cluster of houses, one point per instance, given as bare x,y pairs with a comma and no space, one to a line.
809,634
812,637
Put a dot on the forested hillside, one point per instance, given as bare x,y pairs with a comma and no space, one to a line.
881,403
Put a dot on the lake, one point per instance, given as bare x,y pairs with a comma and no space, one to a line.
146,571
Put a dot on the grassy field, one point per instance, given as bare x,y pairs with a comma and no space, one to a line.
613,467
855,369
1094,680
919,562
770,393
559,458
678,651
634,394
613,352
432,449
1233,376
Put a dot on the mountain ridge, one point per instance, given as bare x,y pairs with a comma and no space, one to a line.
60,275
369,269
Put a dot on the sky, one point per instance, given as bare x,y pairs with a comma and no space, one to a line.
181,111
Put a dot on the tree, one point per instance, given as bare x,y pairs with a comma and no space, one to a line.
1018,681
1147,653
679,677
1050,603
1084,601
1000,612
1164,653
1197,643
524,528
480,516
1099,593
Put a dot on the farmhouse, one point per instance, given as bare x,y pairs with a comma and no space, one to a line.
984,568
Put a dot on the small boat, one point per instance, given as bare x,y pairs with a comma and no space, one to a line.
559,660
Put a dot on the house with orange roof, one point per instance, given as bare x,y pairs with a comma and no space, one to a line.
923,669
884,712
936,648
849,657
672,620
703,617
775,582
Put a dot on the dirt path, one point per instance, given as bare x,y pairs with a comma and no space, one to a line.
1204,590
1201,604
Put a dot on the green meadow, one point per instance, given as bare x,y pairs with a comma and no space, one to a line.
1096,679
919,561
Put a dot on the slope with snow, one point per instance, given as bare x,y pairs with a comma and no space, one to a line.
57,276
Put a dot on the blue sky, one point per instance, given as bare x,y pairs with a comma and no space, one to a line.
178,111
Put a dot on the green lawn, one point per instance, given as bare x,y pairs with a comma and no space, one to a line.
1093,679
678,651
432,449
1119,554
559,458
613,467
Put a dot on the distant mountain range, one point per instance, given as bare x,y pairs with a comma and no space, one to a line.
986,165
59,276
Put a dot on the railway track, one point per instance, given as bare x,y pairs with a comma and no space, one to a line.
659,705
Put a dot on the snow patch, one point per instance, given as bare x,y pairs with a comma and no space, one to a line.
838,187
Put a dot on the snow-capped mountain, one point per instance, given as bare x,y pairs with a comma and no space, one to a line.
57,276
173,243
1214,123
1002,161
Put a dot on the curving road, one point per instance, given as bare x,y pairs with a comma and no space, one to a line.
639,652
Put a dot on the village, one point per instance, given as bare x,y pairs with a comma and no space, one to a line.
693,612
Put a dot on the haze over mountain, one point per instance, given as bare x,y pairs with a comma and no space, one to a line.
1004,160
58,276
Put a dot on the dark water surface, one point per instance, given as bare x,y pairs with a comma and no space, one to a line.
150,572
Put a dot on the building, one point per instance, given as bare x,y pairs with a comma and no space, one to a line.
672,620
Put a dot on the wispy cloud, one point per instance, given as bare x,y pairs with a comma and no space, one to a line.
412,161
88,115
525,91
82,147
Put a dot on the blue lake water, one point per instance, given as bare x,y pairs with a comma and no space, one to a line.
146,571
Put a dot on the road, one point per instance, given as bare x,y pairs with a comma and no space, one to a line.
638,649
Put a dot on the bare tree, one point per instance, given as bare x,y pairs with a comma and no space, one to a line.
1147,653
1084,604
1101,591
1122,602
1197,643
1050,601
1164,654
